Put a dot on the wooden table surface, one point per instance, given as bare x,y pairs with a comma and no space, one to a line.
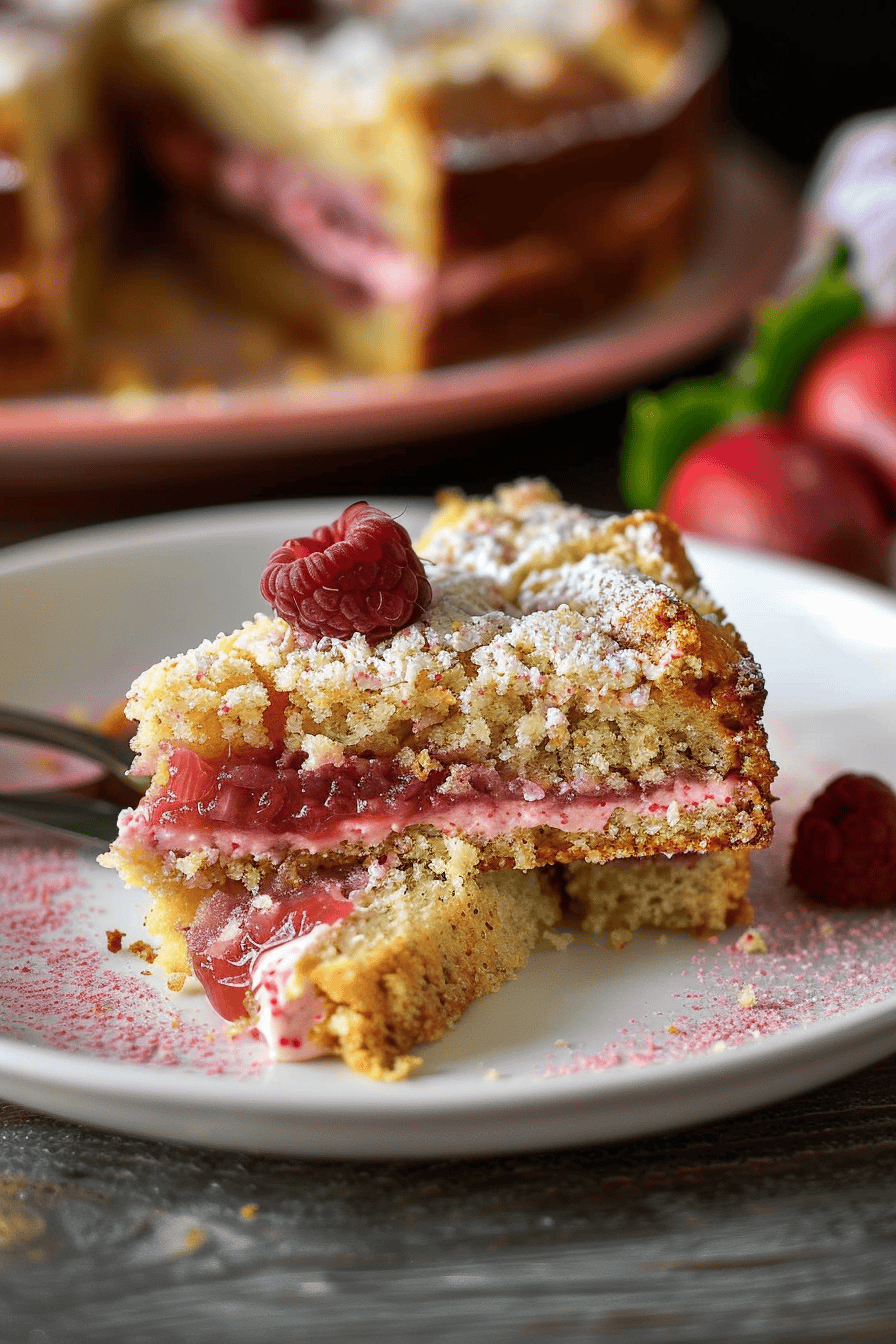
776,1226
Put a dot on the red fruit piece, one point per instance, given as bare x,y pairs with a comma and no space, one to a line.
847,396
359,575
228,933
845,848
764,485
260,13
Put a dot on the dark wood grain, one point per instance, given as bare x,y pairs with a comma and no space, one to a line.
779,1225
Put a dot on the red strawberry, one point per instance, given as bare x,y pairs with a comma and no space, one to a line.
847,395
359,575
845,850
764,485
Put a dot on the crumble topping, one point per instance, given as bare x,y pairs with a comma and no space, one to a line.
558,628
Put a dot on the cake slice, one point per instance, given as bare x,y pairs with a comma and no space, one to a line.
551,688
53,185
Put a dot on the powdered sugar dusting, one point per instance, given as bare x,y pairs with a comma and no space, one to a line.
61,987
818,963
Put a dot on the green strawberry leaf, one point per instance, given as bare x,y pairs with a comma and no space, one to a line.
788,335
662,426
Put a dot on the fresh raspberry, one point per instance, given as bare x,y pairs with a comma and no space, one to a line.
845,849
360,574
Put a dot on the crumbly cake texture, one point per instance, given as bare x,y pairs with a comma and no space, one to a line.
703,893
429,935
438,935
569,652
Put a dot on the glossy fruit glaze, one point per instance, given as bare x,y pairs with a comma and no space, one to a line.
260,789
230,931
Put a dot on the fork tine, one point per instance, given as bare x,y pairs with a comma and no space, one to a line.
72,815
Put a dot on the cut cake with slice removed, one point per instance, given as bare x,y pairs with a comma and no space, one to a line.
570,693
701,893
424,183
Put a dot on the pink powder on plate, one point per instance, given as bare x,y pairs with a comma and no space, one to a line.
61,987
819,963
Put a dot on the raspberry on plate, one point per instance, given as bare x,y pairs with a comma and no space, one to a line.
845,848
358,575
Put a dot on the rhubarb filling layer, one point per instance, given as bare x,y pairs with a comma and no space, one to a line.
336,226
255,804
231,937
337,235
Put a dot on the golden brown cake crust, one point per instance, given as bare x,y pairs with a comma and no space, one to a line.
561,650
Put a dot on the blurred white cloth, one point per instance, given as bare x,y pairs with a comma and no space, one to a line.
852,194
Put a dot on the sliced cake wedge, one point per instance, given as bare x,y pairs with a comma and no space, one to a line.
549,688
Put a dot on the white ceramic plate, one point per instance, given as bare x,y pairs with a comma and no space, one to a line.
588,1044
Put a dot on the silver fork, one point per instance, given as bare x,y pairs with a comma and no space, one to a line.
86,818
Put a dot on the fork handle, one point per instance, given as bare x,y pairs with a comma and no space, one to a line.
114,756
71,815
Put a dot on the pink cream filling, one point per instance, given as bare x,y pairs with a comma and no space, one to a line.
334,226
255,804
288,1006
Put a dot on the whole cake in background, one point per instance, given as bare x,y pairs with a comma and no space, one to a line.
54,183
409,183
364,809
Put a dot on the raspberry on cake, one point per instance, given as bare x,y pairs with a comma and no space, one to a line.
360,575
570,694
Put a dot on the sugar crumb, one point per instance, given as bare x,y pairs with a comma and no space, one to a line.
176,982
492,1076
192,1241
559,940
564,1045
747,997
751,942
143,950
249,1211
114,939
